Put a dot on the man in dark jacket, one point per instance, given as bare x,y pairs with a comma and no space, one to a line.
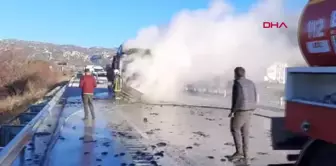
244,102
110,79
88,84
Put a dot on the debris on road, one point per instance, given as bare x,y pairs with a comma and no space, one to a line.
145,120
229,144
211,157
197,144
41,134
154,114
161,144
262,153
189,147
160,154
152,131
200,133
104,153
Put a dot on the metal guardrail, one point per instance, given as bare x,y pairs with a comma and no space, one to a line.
134,95
218,92
131,94
266,100
125,92
13,149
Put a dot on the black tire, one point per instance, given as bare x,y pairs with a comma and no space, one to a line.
319,154
325,155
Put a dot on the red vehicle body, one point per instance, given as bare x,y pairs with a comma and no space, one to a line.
310,108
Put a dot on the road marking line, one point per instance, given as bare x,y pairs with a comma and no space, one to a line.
67,118
169,156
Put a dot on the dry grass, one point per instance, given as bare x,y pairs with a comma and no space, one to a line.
23,81
12,102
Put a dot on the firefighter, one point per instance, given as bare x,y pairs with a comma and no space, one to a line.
244,102
112,72
117,84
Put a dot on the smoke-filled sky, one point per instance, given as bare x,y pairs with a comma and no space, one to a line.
200,44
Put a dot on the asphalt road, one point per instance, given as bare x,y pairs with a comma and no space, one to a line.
167,135
199,136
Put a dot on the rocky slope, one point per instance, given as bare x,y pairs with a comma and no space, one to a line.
71,54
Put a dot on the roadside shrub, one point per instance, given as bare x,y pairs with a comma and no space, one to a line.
12,67
23,80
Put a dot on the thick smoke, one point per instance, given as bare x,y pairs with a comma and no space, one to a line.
206,43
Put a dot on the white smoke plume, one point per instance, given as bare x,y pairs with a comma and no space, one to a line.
202,44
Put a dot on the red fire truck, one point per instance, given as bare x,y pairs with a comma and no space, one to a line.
311,91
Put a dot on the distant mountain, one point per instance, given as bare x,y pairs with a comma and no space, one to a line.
71,54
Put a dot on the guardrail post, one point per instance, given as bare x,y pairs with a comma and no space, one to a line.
33,141
22,156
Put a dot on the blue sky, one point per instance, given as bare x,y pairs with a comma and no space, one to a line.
87,23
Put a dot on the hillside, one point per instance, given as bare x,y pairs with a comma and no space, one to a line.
73,55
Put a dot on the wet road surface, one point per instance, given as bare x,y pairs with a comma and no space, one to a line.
167,135
201,136
84,142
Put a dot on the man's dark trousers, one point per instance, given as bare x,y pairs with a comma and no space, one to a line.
110,87
240,125
88,104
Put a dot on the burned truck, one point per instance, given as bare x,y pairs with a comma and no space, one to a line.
123,58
